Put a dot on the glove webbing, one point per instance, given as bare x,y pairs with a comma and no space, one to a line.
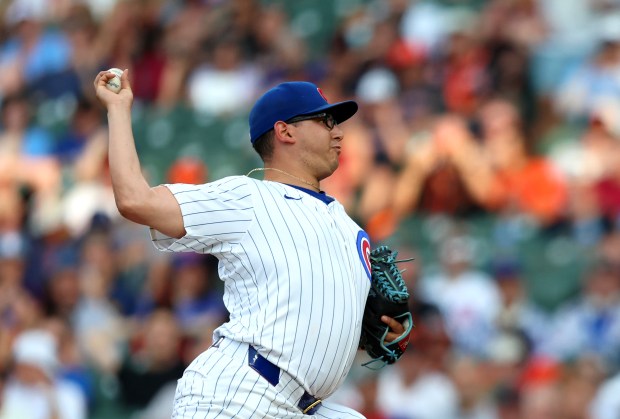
386,257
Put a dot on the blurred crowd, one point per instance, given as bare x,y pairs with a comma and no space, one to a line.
507,109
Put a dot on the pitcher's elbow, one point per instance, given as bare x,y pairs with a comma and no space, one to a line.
129,209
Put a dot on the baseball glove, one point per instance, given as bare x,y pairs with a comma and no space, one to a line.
388,296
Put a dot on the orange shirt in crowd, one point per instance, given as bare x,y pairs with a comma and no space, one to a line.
536,189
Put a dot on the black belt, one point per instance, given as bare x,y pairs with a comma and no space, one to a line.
308,404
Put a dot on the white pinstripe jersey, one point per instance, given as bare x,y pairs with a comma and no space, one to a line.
295,268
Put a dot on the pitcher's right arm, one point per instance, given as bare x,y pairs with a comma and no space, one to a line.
155,207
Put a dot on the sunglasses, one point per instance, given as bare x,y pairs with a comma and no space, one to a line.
327,119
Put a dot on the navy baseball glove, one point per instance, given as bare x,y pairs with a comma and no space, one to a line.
388,296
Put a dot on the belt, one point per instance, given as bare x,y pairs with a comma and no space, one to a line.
308,404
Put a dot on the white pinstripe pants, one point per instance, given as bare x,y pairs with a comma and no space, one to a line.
220,384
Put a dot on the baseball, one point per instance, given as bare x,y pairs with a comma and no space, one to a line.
114,84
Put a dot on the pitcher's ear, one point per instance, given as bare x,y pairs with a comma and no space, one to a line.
284,132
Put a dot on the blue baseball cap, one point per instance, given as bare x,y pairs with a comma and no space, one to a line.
291,99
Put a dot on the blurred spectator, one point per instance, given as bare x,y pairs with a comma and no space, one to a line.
26,149
425,24
33,389
12,257
63,289
563,48
579,384
518,312
591,324
520,23
98,324
473,387
82,151
540,391
20,136
609,248
85,132
153,363
507,401
32,51
417,389
225,84
195,301
420,393
71,365
541,402
188,170
591,157
589,166
368,390
509,354
101,8
348,45
607,189
529,184
509,61
155,290
430,336
446,173
594,87
280,53
198,341
606,403
87,45
468,298
466,79
20,311
121,35
27,161
384,121
137,265
171,55
420,85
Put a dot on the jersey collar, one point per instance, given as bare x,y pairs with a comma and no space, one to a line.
321,196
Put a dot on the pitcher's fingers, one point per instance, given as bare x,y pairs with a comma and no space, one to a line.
103,77
394,325
98,78
125,79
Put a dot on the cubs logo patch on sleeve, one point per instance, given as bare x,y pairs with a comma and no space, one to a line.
363,249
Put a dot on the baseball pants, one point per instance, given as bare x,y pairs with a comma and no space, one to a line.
219,383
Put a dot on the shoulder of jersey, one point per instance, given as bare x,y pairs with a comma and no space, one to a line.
227,183
258,182
236,179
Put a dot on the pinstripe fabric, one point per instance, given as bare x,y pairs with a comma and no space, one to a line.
294,281
220,384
